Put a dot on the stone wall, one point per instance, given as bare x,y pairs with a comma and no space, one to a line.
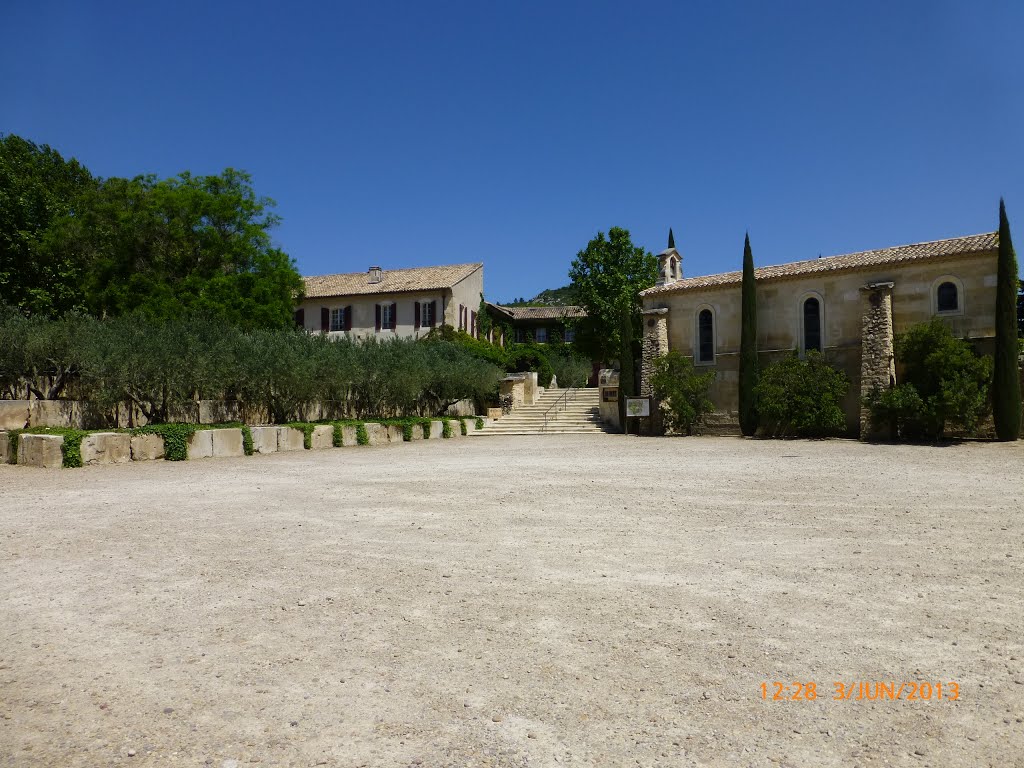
877,358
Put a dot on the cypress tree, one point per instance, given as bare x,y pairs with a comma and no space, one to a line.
1006,379
749,369
671,239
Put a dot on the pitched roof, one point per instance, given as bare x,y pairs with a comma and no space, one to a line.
392,281
957,246
541,313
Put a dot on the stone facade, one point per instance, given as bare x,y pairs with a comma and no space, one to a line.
877,355
969,263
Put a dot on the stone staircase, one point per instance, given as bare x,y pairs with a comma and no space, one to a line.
578,415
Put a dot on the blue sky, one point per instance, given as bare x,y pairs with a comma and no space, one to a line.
406,134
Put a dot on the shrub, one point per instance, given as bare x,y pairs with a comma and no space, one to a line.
943,383
682,391
802,397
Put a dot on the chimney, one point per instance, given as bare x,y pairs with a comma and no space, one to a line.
375,276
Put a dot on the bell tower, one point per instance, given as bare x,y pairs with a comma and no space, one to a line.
670,263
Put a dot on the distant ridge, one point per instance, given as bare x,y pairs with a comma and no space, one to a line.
552,297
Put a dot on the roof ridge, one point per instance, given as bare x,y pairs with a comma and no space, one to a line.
399,269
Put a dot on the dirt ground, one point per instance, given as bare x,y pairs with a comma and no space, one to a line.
511,601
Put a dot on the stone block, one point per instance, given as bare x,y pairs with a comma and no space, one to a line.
349,436
290,439
14,414
417,432
494,413
200,446
147,447
226,442
5,448
264,439
470,424
436,429
41,451
395,433
323,437
106,448
454,423
377,433
55,413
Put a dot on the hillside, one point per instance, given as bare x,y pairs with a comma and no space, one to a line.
552,297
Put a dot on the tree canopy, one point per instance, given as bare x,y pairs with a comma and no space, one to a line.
162,247
607,277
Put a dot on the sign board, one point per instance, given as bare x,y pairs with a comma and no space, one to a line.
638,406
610,394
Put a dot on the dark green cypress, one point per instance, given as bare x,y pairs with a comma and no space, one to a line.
749,369
671,239
1006,378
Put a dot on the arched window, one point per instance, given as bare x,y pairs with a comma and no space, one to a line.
705,336
812,324
947,297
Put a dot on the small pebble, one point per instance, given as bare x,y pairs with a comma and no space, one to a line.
496,718
131,753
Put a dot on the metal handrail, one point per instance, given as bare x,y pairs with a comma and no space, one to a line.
564,397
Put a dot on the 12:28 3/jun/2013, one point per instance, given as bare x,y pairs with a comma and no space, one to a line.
863,690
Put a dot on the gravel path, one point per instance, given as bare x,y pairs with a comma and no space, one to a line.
577,600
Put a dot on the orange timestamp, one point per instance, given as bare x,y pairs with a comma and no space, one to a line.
863,690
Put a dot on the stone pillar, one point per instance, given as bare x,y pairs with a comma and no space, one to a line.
654,345
877,360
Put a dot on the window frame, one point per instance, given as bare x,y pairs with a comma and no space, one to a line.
339,313
938,283
801,318
696,335
539,332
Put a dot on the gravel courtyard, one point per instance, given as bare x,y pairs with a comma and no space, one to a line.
511,601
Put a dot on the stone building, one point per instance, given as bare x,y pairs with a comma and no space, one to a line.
847,307
540,324
388,303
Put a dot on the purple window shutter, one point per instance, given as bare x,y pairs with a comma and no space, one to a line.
348,318
300,318
416,316
394,316
378,316
325,319
433,313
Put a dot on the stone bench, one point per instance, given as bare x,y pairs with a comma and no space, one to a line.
106,448
41,451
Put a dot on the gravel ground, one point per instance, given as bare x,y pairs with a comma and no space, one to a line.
510,601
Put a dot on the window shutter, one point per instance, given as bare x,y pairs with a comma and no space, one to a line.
416,316
348,318
394,316
325,319
472,324
300,317
433,313
377,307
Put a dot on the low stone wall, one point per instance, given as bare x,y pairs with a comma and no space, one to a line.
46,450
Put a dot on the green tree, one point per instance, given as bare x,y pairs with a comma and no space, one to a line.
944,383
749,366
802,397
38,187
682,392
188,244
1006,376
607,277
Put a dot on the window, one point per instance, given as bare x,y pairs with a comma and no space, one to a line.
387,316
570,335
705,336
520,336
542,335
338,319
427,314
812,324
947,298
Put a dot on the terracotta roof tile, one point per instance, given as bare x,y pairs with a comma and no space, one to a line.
957,246
392,281
542,313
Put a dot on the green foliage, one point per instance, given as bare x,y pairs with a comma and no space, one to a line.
1006,394
338,436
14,436
749,364
425,426
447,431
950,381
682,391
247,447
362,438
802,397
565,296
607,277
462,427
307,432
571,368
479,423
38,187
176,438
483,318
